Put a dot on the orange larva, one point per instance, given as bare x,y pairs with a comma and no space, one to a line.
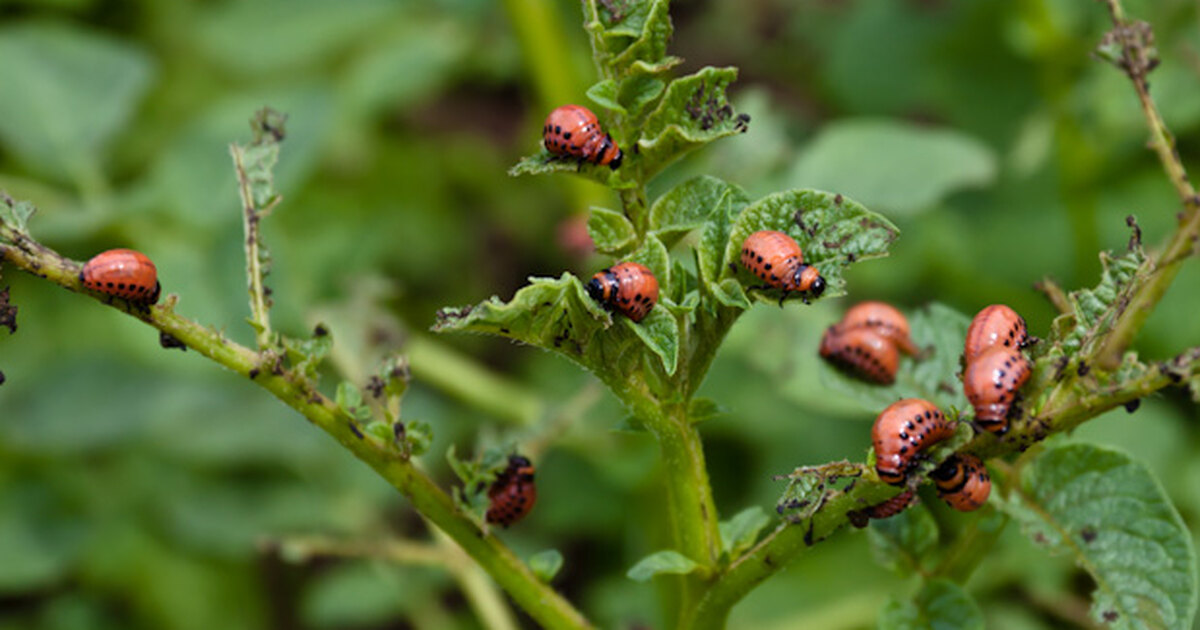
863,352
513,494
123,273
901,432
776,258
963,482
628,287
892,506
884,319
887,509
991,382
574,131
995,325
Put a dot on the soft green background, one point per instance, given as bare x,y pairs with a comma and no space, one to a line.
135,483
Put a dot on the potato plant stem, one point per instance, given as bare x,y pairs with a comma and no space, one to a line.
541,602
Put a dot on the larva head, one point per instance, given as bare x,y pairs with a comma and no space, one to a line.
809,280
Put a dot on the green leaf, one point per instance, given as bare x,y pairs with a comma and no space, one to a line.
611,232
694,111
70,93
639,92
659,563
739,533
349,398
418,435
1109,513
902,542
893,165
940,605
308,354
546,564
605,94
693,204
938,331
833,232
702,409
477,475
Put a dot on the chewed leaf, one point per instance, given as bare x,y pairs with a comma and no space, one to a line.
558,315
833,232
938,331
15,213
1112,516
1094,310
940,604
629,33
694,111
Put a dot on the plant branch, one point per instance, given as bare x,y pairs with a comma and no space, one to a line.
538,599
1137,59
779,548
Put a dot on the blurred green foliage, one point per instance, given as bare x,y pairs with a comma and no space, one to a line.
136,483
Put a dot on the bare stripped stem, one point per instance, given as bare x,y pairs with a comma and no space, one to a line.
541,601
254,165
1136,59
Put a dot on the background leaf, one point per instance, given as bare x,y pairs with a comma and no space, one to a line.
894,166
70,92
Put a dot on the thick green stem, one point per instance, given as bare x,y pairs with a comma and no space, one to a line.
780,547
538,599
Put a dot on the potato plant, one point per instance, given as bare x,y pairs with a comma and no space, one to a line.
1102,508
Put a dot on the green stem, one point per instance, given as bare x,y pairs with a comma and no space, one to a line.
538,599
